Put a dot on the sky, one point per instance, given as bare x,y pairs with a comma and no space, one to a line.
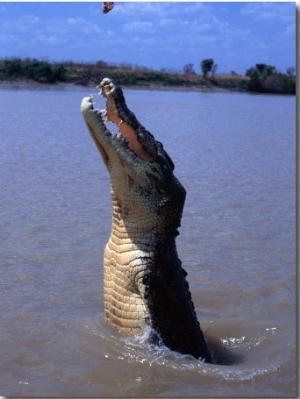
156,35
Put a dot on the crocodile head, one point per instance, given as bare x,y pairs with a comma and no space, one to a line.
132,140
139,140
141,171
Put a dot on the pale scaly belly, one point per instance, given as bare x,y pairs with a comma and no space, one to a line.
123,288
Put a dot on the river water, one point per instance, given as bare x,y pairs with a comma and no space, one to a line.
235,155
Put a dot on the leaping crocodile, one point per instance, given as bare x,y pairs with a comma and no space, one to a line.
144,282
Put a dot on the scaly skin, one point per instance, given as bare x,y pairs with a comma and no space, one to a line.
144,283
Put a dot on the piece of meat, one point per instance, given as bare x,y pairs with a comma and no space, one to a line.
107,7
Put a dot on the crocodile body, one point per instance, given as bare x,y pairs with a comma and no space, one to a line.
144,282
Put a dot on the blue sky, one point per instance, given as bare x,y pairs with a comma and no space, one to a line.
158,35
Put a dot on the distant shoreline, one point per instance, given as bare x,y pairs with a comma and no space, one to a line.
261,78
31,84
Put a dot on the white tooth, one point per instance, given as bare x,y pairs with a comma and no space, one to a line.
103,112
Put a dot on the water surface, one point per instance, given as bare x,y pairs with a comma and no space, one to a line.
235,155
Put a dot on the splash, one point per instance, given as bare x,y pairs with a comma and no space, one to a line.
233,355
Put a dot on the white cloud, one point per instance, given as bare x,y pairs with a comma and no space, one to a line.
269,11
142,8
138,26
75,21
158,10
50,31
291,30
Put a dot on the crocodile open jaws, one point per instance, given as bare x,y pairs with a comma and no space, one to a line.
144,283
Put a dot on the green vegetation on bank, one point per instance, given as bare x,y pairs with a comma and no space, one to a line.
265,79
261,78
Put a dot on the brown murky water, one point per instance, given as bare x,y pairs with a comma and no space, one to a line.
235,155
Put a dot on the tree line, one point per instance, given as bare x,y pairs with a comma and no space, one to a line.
260,78
266,79
263,78
39,71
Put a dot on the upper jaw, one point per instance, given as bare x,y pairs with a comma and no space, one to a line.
111,92
107,87
117,112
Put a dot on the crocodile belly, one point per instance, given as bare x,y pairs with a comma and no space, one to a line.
123,289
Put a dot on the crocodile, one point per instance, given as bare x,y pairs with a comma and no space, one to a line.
145,286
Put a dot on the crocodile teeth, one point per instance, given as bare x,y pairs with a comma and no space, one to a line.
103,113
